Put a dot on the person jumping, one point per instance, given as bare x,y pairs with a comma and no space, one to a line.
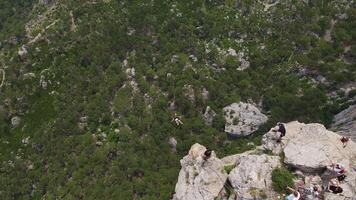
177,119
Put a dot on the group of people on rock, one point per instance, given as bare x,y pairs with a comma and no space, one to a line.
302,192
332,177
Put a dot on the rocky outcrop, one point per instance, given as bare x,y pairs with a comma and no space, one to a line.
345,122
251,178
199,179
313,147
15,121
173,143
209,115
309,148
306,150
189,93
22,51
243,119
46,2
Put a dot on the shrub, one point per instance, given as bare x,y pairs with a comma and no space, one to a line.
281,179
228,168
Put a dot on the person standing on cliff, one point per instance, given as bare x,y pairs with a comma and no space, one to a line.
281,130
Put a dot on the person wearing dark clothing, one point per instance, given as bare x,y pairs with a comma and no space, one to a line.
334,186
344,141
281,129
207,154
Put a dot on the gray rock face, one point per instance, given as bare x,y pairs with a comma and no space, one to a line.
172,143
345,122
15,121
22,52
46,2
189,92
205,94
251,178
243,119
307,148
199,179
209,116
244,62
312,147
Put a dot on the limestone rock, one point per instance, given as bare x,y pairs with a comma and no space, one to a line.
251,178
131,72
15,121
172,143
189,92
243,119
345,122
312,147
205,94
22,52
244,62
209,115
199,179
269,140
348,186
46,2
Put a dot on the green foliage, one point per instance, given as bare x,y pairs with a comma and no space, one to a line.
281,179
228,168
93,136
122,100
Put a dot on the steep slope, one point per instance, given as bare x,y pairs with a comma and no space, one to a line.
89,88
307,150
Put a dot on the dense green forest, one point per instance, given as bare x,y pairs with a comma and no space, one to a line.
78,122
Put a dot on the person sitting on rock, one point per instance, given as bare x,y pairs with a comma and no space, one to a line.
177,119
280,128
344,141
313,191
335,170
295,195
340,171
334,186
207,154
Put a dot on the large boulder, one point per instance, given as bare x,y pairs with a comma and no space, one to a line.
309,148
199,179
345,122
242,119
251,178
269,140
312,147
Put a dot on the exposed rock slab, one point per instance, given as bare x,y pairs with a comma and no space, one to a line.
199,179
312,147
345,122
242,119
251,178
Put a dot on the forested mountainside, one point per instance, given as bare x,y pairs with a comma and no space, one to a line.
89,88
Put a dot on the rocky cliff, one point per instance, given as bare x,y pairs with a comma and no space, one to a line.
305,150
